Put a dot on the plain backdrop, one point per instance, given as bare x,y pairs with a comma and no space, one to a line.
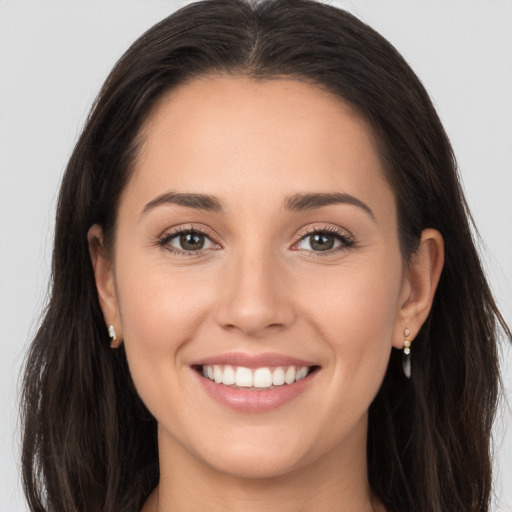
54,56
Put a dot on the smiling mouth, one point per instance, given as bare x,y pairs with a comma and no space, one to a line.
257,379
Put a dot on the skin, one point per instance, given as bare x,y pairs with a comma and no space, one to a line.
257,286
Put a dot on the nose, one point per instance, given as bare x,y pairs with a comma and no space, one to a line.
256,296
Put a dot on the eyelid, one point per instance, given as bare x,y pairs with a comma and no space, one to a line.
347,239
173,232
325,228
344,236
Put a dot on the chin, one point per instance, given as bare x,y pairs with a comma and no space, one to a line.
257,454
256,466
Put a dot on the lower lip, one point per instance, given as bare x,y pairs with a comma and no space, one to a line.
254,400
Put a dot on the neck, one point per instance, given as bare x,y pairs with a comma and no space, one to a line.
338,481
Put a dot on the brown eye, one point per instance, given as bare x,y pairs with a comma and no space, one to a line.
192,241
325,241
188,241
321,241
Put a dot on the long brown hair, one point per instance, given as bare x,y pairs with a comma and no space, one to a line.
89,443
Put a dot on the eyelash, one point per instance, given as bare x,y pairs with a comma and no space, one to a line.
164,240
347,241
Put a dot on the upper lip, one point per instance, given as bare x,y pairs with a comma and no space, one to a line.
252,360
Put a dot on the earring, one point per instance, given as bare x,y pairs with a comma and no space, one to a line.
112,334
406,354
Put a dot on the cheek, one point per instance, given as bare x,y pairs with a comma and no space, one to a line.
355,311
358,298
160,312
355,316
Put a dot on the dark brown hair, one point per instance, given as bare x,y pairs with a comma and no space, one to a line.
89,444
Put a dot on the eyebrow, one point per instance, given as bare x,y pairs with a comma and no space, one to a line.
199,201
296,203
303,202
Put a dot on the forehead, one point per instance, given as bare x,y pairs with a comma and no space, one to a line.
279,136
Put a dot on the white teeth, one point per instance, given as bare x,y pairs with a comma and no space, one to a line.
217,374
301,373
243,377
229,376
261,378
289,378
278,377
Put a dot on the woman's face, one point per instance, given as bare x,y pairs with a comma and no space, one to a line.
257,236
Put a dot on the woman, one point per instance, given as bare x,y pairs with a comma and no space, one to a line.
229,323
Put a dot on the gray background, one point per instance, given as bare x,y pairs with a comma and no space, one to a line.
54,56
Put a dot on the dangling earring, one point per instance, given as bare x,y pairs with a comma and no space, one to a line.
112,334
406,354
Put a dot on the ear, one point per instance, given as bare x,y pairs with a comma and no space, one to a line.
105,282
419,286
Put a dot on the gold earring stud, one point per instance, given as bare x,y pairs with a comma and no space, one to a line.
112,334
406,354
